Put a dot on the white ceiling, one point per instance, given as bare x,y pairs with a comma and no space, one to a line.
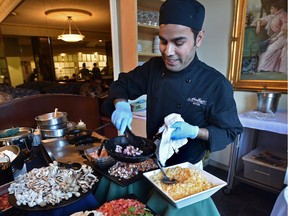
29,19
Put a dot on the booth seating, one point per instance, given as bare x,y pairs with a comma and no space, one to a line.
21,112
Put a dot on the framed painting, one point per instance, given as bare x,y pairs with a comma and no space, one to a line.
258,58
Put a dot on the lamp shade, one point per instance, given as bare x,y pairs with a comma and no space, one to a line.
71,37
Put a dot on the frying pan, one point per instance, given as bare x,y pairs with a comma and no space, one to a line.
73,136
147,146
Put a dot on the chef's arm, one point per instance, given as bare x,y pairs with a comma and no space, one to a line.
186,130
122,116
119,100
203,134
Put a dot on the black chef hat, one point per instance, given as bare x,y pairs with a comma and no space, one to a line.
182,12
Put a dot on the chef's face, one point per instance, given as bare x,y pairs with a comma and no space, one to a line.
178,46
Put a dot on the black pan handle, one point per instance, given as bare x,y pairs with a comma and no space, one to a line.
101,147
130,137
158,136
87,140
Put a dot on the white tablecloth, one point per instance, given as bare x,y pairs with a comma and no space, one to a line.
276,123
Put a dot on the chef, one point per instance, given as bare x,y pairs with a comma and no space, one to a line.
179,82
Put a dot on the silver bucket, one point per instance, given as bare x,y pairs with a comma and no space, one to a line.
268,101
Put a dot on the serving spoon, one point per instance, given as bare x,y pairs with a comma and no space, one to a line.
165,179
101,147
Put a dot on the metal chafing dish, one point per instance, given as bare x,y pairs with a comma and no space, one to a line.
23,139
53,124
50,119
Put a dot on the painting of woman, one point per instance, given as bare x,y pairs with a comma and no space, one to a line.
274,58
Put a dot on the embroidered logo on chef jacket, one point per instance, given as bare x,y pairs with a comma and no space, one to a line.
197,101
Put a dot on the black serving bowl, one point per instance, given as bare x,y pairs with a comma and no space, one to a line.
101,162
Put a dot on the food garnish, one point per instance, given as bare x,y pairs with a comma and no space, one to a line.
124,207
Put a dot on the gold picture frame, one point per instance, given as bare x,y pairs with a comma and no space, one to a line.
249,81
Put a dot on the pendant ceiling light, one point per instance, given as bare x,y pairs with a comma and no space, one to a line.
71,37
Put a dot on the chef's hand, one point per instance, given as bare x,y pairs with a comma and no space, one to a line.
122,116
184,130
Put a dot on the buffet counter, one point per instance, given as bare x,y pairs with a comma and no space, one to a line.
107,189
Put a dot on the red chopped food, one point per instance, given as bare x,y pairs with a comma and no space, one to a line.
4,203
124,207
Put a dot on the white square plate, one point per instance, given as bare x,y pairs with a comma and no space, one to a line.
192,198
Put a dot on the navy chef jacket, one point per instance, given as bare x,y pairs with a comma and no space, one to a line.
201,94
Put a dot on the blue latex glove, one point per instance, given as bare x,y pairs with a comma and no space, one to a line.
184,130
122,116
